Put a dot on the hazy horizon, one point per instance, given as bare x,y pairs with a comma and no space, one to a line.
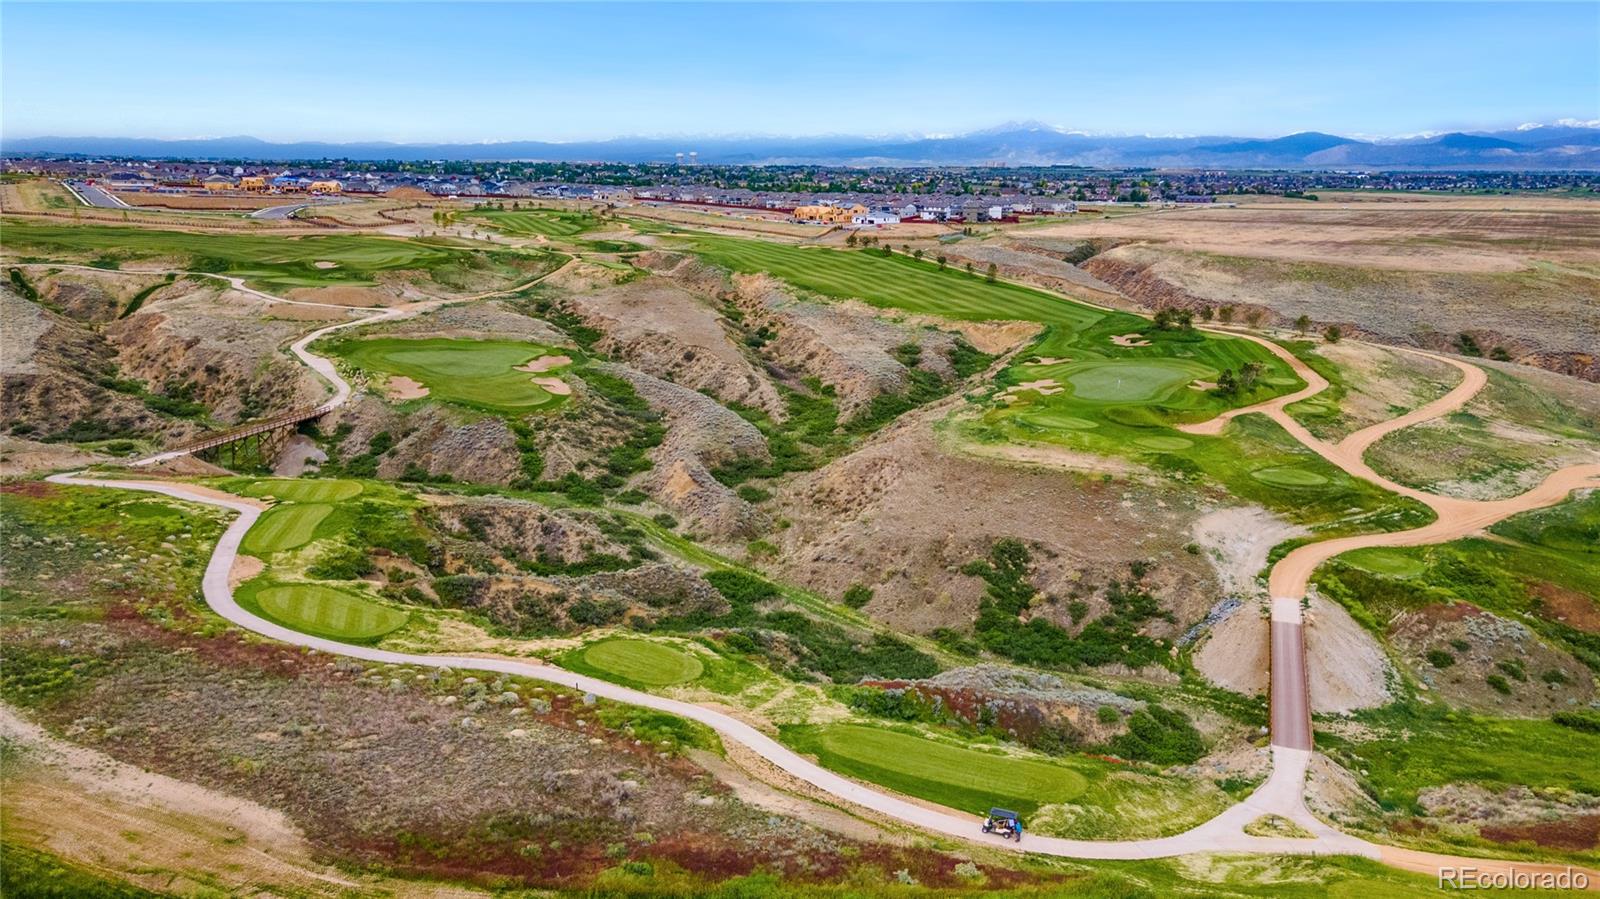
491,73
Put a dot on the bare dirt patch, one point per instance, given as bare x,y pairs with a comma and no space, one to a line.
244,568
345,296
1346,667
302,313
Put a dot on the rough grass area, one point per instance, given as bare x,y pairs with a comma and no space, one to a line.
274,262
642,661
284,527
476,373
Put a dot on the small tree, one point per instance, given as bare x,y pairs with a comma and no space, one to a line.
1226,315
850,240
888,250
1205,313
1332,333
1253,318
918,255
1302,324
992,273
969,268
942,262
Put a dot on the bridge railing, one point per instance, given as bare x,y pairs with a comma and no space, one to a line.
252,428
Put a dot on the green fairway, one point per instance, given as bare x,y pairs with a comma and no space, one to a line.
1379,560
960,778
896,281
284,527
273,261
1163,444
479,373
1283,476
1122,381
304,491
541,222
326,612
643,662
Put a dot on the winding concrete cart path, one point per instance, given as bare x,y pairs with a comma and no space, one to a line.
1283,792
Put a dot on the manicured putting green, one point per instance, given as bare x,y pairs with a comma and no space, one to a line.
473,372
1381,560
643,662
1163,444
1050,419
1288,476
327,612
961,778
305,491
1132,380
285,527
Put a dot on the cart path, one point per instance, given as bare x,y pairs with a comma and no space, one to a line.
1282,794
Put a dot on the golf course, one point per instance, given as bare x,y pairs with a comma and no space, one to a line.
477,373
640,662
322,610
536,222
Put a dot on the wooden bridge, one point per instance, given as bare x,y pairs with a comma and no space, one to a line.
259,440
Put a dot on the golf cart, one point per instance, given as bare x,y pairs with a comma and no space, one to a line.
1004,823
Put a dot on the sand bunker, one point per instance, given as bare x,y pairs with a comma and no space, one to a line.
1045,386
1129,340
554,385
401,387
1202,385
1047,360
545,363
325,264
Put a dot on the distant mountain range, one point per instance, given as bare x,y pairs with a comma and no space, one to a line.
1543,147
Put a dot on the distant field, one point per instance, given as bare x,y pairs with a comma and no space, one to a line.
270,261
531,222
478,373
326,612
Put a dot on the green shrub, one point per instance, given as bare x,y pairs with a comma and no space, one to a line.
1512,669
1586,721
856,595
1107,714
1555,676
1160,735
1498,684
742,588
1438,658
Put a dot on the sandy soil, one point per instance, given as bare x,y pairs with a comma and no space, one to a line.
1459,236
1129,340
199,201
401,388
301,312
554,385
1237,541
343,296
1234,655
244,568
1347,668
19,457
87,807
1045,387
545,363
300,453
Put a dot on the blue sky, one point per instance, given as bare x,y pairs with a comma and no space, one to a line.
501,71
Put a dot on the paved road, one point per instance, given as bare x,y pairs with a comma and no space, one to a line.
94,195
1282,794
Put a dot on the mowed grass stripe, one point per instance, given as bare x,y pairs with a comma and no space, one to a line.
959,778
644,662
326,612
896,281
284,527
545,222
305,491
